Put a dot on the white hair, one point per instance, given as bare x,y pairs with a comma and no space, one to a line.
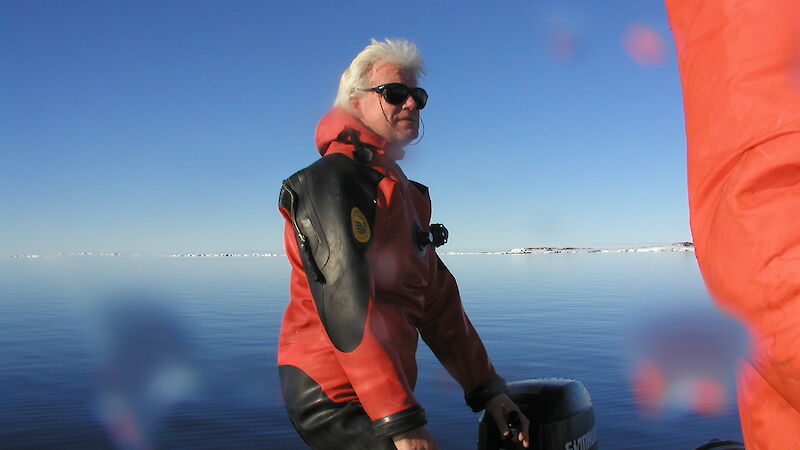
397,51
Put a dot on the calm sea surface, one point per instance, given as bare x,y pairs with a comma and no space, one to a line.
180,353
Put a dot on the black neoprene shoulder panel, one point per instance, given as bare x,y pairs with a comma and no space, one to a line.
334,216
420,187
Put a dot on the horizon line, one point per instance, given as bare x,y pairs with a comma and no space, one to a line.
516,250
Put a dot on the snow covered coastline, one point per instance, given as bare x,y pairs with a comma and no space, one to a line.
674,247
155,255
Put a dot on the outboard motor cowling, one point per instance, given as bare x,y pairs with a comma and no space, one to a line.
560,414
716,444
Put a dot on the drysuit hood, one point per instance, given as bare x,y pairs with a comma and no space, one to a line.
329,131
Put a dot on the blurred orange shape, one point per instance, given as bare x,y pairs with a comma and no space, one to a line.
644,45
563,44
649,387
708,397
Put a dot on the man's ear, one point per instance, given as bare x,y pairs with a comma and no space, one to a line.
355,107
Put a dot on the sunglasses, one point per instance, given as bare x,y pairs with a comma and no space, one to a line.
397,93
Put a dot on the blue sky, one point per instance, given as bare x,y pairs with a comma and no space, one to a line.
168,126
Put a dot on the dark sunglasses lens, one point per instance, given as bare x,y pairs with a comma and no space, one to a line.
395,93
420,97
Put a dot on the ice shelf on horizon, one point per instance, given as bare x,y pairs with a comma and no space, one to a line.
674,247
137,255
58,255
220,255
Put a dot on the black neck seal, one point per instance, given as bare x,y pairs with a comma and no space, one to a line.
363,152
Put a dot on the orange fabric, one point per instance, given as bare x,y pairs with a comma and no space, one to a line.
739,63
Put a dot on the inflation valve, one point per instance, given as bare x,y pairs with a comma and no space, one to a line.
437,236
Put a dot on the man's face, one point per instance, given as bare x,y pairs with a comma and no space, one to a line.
398,124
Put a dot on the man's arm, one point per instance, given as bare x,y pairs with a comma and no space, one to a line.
450,335
452,338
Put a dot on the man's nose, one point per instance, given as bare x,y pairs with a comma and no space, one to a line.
410,103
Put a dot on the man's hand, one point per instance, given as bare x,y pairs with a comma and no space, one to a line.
499,408
416,439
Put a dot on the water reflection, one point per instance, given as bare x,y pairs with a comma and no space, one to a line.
194,366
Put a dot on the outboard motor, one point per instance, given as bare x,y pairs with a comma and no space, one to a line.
560,414
716,444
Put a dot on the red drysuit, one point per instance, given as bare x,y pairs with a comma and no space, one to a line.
739,64
365,283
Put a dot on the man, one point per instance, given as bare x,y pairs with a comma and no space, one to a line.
366,280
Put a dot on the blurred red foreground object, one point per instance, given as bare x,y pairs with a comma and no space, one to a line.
644,45
739,64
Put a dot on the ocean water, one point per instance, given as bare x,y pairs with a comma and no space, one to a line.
138,352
